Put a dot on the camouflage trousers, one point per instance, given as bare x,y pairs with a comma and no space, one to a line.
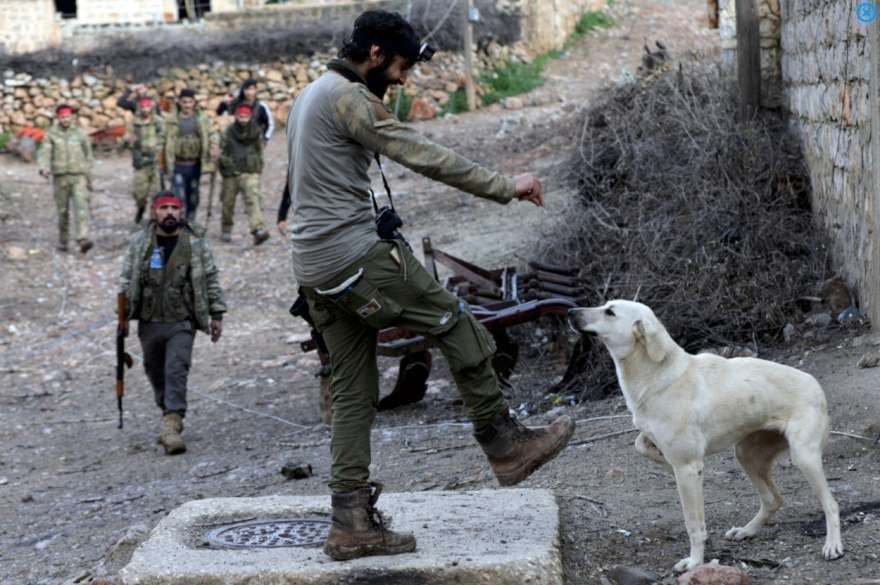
72,188
146,184
249,185
395,290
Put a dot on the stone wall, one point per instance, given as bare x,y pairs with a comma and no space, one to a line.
28,25
825,73
548,23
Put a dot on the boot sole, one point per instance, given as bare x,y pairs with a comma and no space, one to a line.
347,553
175,450
521,474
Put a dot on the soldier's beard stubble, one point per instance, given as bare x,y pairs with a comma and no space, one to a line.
377,81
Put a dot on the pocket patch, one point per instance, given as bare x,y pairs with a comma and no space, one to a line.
371,307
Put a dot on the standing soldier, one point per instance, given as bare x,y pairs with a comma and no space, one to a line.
145,134
171,287
262,115
241,163
358,282
191,147
66,155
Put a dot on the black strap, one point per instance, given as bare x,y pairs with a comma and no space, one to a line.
384,182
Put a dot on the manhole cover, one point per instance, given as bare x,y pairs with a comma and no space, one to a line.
305,532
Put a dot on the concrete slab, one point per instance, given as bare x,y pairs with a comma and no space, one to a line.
490,537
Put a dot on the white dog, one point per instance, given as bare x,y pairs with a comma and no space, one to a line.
689,406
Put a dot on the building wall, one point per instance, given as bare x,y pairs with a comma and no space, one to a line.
547,23
28,25
99,12
825,74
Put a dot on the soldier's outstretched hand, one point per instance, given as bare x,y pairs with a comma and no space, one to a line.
529,188
216,330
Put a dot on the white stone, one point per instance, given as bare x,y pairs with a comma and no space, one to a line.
491,537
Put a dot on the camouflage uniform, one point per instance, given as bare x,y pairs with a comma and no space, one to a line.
145,157
384,285
241,163
171,300
187,158
67,154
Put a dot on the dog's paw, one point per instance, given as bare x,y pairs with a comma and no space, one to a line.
686,564
832,550
740,533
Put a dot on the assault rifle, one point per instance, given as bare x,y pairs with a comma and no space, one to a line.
123,359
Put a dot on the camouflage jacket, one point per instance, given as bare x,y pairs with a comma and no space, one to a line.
66,152
241,150
333,130
148,140
207,299
207,135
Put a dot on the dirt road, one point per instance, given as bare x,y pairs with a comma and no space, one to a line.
71,483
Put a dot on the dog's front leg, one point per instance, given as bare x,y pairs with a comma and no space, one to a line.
646,447
689,479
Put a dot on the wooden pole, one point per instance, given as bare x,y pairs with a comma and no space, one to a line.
190,7
468,32
748,57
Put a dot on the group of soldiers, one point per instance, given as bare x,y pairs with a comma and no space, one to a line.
174,147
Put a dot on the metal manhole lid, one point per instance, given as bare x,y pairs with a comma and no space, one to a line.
301,532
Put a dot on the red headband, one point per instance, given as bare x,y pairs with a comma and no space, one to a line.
64,112
167,200
146,102
245,107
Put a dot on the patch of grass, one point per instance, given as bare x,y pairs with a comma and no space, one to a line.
516,78
457,103
400,105
4,139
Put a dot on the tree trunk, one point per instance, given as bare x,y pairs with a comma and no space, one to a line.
748,57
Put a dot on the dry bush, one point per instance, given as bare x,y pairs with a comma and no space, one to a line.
703,218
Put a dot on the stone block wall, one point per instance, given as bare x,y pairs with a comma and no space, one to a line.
547,23
27,25
825,74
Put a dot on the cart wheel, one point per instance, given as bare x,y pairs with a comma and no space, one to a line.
412,378
324,401
506,355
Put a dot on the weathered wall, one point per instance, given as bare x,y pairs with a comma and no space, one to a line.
825,76
547,23
91,12
28,25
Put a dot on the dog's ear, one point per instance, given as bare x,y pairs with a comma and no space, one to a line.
651,334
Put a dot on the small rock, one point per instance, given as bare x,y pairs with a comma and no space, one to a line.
615,474
714,574
869,339
16,253
512,103
422,109
632,576
835,292
788,332
297,470
870,360
818,320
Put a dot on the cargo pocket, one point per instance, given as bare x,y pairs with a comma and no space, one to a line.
369,304
468,343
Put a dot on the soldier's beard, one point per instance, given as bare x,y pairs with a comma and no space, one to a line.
169,224
377,82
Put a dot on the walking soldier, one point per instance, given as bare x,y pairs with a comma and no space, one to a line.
145,133
358,282
171,287
191,147
66,156
241,162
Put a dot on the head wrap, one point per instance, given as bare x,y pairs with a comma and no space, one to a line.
166,198
243,107
145,102
64,110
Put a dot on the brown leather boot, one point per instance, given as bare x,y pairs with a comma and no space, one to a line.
516,451
169,438
360,530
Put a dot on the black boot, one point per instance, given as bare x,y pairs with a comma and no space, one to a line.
360,530
515,451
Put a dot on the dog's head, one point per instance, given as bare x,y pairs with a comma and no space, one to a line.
624,327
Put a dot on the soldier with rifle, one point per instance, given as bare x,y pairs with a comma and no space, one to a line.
171,287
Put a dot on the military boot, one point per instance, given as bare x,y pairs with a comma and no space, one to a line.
360,530
139,215
260,236
516,451
85,245
169,438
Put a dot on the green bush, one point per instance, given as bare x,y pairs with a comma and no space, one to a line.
400,105
457,103
590,21
4,139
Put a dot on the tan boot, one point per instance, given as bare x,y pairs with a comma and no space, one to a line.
516,451
85,245
360,530
260,236
169,438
